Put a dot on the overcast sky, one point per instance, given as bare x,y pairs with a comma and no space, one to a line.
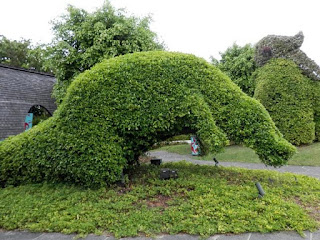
201,27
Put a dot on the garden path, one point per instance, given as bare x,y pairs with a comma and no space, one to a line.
174,157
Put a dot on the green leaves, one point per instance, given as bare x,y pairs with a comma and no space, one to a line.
83,39
290,98
120,108
238,63
23,54
204,200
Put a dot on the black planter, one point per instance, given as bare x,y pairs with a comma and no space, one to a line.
156,161
166,173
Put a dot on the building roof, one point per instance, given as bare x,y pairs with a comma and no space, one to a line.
26,70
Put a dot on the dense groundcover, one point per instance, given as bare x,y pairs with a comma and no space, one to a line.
292,99
122,106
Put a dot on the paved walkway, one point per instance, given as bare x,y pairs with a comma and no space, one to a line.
15,235
171,157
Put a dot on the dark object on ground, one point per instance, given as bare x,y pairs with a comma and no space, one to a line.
156,161
166,173
121,182
260,189
216,161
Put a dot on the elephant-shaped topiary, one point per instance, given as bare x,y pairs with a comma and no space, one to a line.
117,110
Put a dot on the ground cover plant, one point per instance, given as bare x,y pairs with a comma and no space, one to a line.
204,200
308,155
123,106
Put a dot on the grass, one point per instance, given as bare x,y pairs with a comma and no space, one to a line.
306,155
204,200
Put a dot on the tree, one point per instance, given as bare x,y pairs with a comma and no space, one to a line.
14,53
238,63
83,39
23,54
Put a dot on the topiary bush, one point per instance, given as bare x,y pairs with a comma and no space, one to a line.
292,99
315,86
122,106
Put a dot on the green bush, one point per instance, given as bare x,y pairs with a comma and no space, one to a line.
291,99
122,106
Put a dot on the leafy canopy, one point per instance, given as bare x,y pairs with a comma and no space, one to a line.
83,39
23,54
238,63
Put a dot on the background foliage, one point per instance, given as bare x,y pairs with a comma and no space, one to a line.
83,39
291,99
23,54
122,106
238,63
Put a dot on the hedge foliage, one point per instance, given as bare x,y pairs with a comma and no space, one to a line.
292,99
122,106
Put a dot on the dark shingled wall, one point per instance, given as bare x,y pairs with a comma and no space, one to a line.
20,89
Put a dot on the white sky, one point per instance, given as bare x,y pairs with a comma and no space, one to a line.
201,27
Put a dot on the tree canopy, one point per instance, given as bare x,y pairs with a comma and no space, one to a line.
23,54
238,63
83,39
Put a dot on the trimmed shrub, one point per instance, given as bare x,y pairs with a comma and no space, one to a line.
315,86
122,106
291,98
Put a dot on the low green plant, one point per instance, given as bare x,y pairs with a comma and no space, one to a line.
291,99
123,106
204,200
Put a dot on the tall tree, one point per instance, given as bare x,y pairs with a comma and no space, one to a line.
83,39
13,53
238,63
23,54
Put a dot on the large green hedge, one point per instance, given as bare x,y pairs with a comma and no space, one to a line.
122,106
292,99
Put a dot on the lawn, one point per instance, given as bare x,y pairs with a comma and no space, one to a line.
306,155
204,200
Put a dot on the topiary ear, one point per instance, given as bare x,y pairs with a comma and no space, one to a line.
298,39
